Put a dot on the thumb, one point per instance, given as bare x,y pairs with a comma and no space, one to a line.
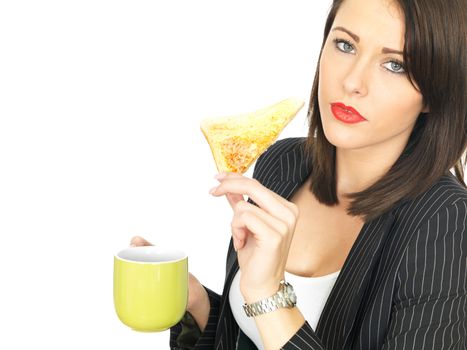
138,241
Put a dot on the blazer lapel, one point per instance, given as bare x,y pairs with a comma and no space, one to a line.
344,305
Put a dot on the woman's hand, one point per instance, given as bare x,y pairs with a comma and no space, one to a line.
262,234
198,301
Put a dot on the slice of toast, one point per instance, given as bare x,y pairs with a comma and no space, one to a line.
237,141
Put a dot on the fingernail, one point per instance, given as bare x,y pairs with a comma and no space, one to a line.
132,245
212,190
220,176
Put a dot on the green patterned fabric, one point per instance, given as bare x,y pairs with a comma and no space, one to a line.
190,332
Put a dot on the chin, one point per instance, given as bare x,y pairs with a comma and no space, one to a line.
345,139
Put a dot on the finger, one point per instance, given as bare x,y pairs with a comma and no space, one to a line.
138,241
265,198
241,232
274,223
263,234
223,177
233,199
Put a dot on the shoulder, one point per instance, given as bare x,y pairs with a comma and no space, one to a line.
436,221
443,194
268,163
432,267
449,187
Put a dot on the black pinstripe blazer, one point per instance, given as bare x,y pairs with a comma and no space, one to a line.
402,286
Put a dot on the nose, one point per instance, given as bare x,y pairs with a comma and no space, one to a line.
356,80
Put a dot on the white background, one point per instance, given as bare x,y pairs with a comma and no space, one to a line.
100,105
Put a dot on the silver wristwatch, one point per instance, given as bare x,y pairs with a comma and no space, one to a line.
285,297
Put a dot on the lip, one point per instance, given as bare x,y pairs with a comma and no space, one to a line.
346,114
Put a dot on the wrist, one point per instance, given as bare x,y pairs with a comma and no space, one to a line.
201,308
199,300
284,298
253,295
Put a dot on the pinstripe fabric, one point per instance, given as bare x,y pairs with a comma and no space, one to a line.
402,286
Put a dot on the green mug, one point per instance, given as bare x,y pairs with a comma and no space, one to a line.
150,287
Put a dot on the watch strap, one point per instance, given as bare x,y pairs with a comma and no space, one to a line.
272,303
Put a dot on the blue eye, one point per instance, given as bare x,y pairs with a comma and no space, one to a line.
395,66
343,45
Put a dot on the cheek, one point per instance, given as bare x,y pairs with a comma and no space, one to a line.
327,77
332,72
397,99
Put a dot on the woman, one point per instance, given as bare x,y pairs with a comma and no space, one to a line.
363,217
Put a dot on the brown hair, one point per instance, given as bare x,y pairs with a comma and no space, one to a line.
435,59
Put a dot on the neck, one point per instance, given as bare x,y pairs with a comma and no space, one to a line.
357,169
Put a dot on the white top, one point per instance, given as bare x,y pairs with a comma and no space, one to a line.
312,293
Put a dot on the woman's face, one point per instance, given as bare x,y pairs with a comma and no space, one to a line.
356,71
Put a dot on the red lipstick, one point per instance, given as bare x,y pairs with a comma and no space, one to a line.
345,113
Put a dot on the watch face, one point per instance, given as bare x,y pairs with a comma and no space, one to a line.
291,294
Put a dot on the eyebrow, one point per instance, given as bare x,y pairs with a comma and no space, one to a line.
357,39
